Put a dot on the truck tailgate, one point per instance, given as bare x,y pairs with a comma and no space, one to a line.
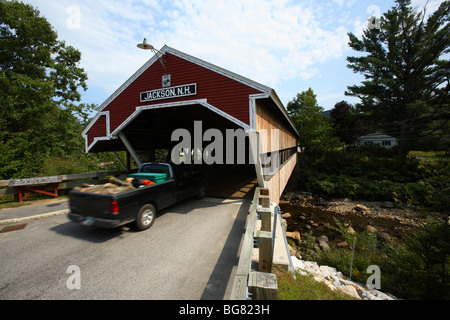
90,204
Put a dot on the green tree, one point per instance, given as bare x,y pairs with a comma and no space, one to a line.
40,80
406,88
315,130
346,124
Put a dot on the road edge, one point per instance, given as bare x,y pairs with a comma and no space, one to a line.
35,217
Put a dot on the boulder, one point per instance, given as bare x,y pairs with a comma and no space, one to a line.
322,238
293,235
286,215
384,236
292,251
324,246
387,204
361,208
342,244
349,290
370,228
350,230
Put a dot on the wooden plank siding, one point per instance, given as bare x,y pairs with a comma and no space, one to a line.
98,129
267,119
278,182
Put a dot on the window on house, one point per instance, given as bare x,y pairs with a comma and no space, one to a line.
386,143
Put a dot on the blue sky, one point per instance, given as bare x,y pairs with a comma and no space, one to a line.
287,45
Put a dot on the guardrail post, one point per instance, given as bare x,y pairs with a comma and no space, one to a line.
265,214
264,199
263,286
264,239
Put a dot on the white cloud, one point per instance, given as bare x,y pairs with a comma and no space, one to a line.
268,41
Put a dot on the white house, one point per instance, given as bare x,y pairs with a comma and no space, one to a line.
379,139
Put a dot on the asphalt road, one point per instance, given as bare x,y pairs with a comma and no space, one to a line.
190,252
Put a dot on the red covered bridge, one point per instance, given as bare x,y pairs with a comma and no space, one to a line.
174,90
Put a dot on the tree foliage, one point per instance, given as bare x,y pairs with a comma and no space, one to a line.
407,76
40,81
346,123
315,130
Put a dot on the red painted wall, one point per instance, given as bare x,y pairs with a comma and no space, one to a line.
98,129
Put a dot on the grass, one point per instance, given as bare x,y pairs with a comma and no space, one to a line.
429,156
7,202
304,288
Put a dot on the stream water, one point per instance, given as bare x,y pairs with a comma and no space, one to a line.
320,222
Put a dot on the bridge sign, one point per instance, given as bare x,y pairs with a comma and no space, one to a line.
166,93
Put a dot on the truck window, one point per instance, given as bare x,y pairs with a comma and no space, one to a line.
155,168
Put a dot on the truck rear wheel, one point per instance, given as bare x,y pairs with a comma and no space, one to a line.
145,217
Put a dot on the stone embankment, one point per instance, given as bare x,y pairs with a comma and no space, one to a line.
312,214
337,282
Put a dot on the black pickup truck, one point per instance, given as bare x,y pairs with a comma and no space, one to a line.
173,183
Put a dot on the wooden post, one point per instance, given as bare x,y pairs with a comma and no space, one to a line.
263,286
264,239
265,215
264,201
264,198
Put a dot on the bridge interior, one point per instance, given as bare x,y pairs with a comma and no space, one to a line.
150,136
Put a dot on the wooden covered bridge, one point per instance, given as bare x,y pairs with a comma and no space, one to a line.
174,90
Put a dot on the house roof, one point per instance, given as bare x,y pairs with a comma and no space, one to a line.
376,136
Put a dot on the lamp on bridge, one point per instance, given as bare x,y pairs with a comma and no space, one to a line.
147,46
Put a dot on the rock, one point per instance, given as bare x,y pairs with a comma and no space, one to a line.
324,246
336,281
322,238
370,228
308,227
286,215
384,236
361,208
342,244
293,235
325,224
387,204
350,230
365,295
292,251
349,290
381,296
315,225
327,271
